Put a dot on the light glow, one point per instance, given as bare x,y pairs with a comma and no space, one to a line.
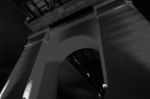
88,74
4,88
105,85
27,91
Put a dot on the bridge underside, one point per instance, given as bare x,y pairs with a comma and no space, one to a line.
69,60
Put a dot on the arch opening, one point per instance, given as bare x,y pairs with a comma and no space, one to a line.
81,76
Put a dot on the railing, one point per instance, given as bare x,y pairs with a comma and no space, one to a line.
44,12
37,8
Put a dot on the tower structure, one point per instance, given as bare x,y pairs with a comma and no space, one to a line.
64,55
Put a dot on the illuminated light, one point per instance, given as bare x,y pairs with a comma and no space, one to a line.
29,45
6,85
27,91
119,7
105,85
88,74
99,95
75,59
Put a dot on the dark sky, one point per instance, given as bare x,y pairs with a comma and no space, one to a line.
13,33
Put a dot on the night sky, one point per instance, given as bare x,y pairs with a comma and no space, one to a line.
13,32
